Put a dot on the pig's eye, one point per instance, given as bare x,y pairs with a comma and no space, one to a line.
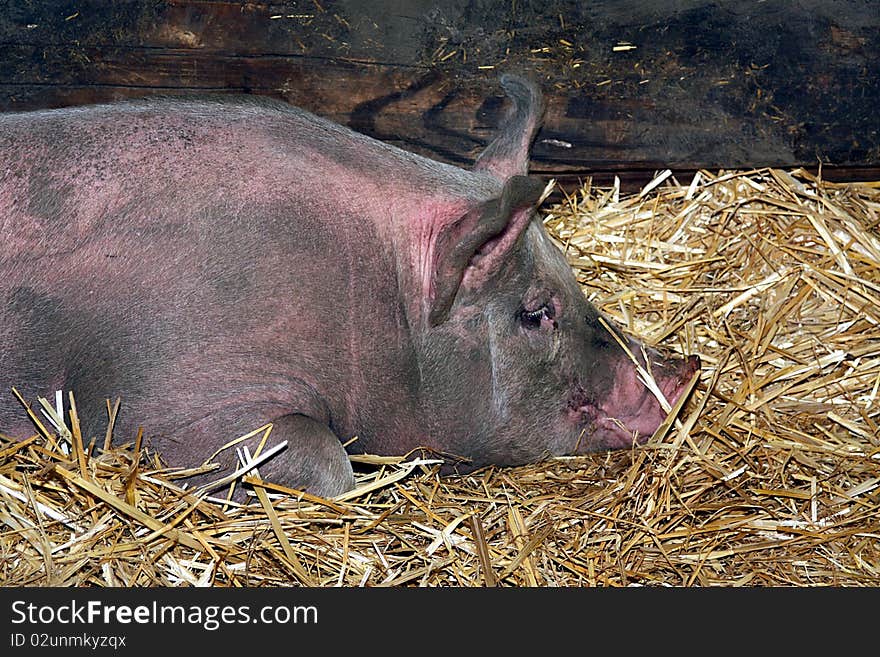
533,319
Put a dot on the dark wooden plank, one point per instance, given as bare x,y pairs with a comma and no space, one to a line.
631,86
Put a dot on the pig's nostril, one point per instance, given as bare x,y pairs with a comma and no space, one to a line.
693,364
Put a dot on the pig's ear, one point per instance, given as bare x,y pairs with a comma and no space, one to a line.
508,154
472,249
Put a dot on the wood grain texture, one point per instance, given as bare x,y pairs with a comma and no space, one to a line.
631,86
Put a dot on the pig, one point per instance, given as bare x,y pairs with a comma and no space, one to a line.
219,263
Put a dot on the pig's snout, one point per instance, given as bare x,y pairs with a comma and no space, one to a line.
692,365
673,383
631,412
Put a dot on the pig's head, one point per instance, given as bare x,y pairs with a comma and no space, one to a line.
515,363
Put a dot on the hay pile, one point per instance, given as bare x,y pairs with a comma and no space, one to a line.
769,477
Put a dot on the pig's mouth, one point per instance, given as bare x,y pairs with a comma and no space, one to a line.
631,413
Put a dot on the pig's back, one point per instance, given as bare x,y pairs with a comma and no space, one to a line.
66,172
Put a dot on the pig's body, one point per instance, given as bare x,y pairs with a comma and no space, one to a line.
220,264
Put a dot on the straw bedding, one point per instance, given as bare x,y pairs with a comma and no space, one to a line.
769,474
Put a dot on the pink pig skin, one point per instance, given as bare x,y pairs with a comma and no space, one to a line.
221,263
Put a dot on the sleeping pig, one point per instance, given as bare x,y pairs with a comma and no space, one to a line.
221,263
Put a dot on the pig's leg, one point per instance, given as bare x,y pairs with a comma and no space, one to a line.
314,460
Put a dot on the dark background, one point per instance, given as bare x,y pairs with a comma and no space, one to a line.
495,621
633,86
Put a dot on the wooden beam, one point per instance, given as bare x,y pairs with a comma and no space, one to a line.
631,86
